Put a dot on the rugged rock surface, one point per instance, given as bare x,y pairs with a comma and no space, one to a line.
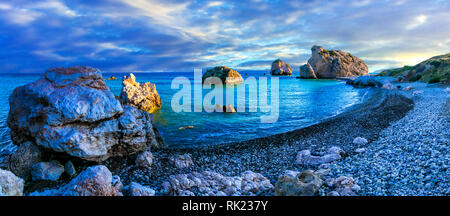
332,64
227,75
71,110
23,158
214,184
136,189
305,158
10,185
142,96
50,171
280,68
292,183
94,181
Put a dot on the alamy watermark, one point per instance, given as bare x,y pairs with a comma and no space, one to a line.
213,101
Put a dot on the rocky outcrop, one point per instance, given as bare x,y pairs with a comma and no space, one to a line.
142,96
94,181
332,64
49,171
280,68
305,158
214,184
227,75
10,185
293,183
72,111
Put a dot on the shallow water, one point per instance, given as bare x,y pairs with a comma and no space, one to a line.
301,103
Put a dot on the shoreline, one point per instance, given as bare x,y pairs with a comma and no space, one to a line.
271,156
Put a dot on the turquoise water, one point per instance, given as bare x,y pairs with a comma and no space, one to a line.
301,103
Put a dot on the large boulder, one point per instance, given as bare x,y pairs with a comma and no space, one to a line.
94,181
280,68
142,96
227,75
293,183
10,185
71,110
332,64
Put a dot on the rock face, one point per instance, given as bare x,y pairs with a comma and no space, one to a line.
10,185
280,68
214,184
292,183
142,96
305,158
227,75
23,158
332,64
50,171
94,181
71,110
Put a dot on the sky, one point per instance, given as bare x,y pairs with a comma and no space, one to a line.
171,35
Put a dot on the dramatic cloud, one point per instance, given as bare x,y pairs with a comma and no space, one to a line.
171,35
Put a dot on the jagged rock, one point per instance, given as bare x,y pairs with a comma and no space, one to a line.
142,96
23,158
144,160
71,110
360,141
280,68
213,184
332,64
135,189
305,158
227,75
50,171
94,181
70,169
10,185
292,183
181,161
307,72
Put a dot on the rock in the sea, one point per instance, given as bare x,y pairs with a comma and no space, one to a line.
49,171
186,127
23,158
280,68
292,183
70,168
136,189
10,184
94,181
111,78
304,157
181,161
214,184
366,81
227,75
144,160
360,141
71,110
226,109
142,96
331,64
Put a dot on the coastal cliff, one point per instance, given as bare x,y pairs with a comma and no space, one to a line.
331,64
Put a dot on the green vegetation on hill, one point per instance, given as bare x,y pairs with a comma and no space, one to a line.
433,70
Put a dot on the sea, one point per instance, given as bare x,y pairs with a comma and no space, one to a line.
301,103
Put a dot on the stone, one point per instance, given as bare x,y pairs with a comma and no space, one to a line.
94,181
346,186
388,86
135,189
226,109
144,160
333,193
331,64
116,183
360,141
10,184
408,88
366,81
23,158
71,110
214,184
181,161
111,78
225,74
186,127
304,157
360,150
49,171
280,68
447,89
142,96
292,183
70,168
415,93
